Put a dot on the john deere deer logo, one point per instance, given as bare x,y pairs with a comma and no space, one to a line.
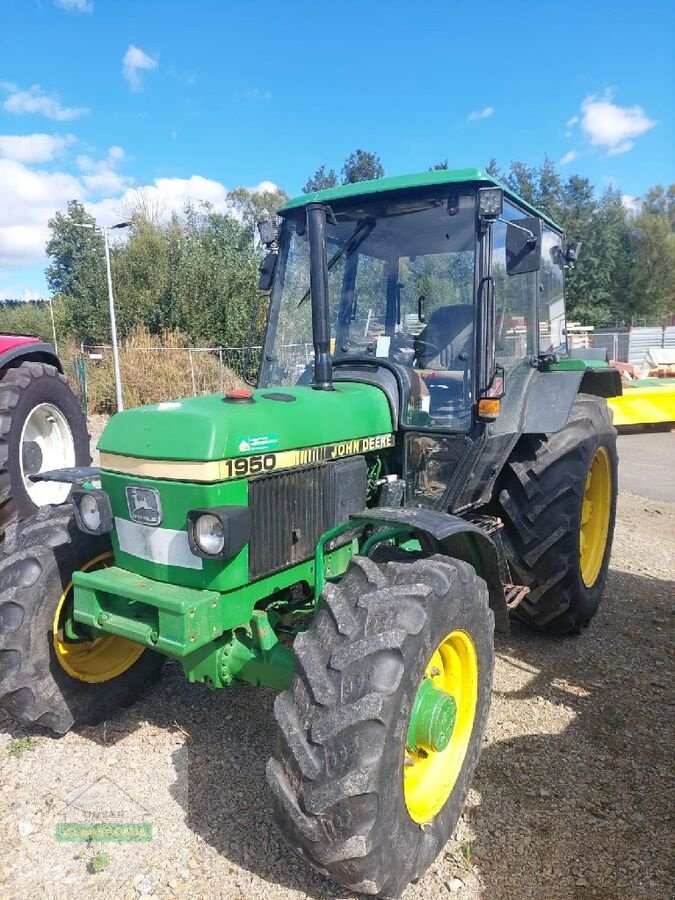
144,505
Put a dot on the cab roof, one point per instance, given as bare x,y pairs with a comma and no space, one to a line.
409,182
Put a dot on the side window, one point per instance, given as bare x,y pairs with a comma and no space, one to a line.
552,337
515,298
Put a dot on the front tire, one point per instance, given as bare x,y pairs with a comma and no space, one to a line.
350,730
42,427
45,678
558,499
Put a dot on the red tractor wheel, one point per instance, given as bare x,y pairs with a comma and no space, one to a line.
42,427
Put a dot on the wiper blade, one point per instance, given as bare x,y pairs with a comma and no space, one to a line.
358,236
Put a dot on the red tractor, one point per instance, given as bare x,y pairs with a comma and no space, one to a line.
42,426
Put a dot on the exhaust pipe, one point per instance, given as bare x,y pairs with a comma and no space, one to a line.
318,285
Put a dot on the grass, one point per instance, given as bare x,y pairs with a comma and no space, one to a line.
98,863
466,856
19,746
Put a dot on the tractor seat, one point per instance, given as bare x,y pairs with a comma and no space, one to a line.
448,333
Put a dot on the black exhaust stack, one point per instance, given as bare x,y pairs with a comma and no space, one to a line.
318,284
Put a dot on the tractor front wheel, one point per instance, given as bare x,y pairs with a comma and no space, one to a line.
381,729
47,675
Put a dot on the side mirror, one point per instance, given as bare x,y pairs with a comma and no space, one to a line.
523,246
267,267
269,232
572,252
421,315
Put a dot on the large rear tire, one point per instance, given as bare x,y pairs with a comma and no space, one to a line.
361,793
558,498
44,677
42,427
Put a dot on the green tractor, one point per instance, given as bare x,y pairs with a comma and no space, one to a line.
421,460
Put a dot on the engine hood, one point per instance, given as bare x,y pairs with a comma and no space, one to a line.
206,429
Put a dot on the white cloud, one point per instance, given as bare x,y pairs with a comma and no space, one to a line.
24,294
31,196
33,148
29,199
484,113
100,176
35,102
136,61
77,5
613,127
631,203
258,94
569,157
572,121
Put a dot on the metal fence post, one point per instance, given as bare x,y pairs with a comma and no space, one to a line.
192,373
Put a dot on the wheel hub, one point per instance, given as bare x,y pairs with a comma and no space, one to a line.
440,726
31,457
432,720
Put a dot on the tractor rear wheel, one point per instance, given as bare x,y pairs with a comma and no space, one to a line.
42,427
558,498
381,728
45,677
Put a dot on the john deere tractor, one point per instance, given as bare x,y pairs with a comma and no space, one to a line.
421,459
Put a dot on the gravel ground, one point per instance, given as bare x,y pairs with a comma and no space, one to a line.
573,796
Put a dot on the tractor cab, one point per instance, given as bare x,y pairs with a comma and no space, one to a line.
439,280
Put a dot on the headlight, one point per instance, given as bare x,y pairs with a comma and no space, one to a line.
219,532
93,513
209,534
89,512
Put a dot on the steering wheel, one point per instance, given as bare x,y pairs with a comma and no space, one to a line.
405,346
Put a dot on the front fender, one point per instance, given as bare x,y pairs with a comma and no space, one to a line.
457,538
15,348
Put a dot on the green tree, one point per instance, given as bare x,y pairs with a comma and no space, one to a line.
26,317
492,168
76,274
439,166
660,201
141,277
361,166
252,207
652,274
320,181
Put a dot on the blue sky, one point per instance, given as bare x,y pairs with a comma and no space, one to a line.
101,97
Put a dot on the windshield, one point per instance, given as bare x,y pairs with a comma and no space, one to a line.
401,287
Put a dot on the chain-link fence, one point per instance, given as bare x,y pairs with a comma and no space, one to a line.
151,374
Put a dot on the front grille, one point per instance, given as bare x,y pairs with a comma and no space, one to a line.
291,510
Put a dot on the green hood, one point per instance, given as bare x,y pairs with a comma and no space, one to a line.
209,428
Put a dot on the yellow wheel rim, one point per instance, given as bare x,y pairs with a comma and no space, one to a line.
595,510
100,659
430,776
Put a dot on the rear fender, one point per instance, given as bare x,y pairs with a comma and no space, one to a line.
550,395
457,538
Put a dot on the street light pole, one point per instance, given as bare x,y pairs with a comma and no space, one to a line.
111,302
113,327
